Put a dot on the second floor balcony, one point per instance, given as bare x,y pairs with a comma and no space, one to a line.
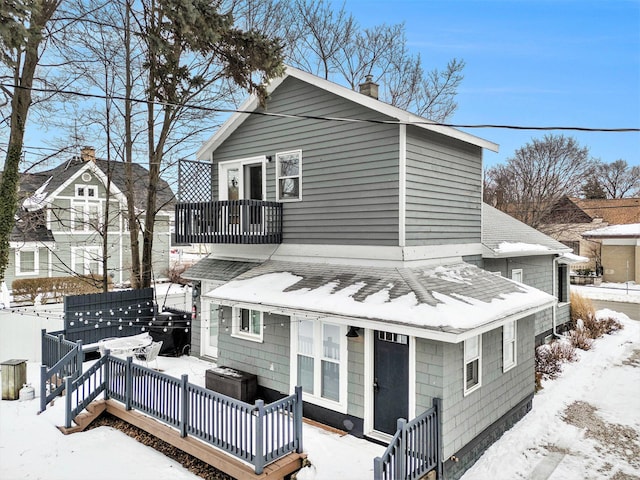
229,221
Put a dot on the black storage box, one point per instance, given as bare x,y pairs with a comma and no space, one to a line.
232,383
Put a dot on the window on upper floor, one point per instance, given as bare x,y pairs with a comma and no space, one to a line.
27,260
289,175
86,191
472,364
509,352
247,324
516,274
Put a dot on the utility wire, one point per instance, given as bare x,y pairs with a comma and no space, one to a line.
320,117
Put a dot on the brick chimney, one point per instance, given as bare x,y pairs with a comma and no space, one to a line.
369,87
88,154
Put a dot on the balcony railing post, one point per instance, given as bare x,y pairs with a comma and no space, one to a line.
184,408
67,402
128,383
437,404
79,359
297,418
258,460
43,388
107,375
401,456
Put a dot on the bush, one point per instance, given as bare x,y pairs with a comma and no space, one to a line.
581,337
174,274
54,289
610,325
550,357
581,308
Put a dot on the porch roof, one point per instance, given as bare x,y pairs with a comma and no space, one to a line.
447,303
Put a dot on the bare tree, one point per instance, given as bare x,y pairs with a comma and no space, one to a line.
22,39
537,176
617,179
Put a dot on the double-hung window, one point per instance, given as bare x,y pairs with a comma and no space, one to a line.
27,261
472,364
248,324
289,175
320,356
509,352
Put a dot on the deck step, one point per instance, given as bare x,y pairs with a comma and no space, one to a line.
84,419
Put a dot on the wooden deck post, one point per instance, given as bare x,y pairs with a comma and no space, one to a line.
437,404
297,418
107,374
128,383
401,453
67,402
43,388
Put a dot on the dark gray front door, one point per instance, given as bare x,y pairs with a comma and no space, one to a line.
391,380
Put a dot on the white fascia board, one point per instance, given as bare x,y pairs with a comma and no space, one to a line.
400,115
392,327
489,253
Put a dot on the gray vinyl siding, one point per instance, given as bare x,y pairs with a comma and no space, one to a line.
444,190
537,272
465,417
269,360
349,170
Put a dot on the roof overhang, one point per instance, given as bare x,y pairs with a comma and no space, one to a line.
447,303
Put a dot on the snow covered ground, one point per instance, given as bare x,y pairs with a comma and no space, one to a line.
585,424
613,292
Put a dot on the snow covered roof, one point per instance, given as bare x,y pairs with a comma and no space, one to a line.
631,230
570,258
447,303
504,236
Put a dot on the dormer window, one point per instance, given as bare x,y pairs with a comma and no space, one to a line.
289,175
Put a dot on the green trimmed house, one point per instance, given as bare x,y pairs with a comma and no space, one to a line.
62,213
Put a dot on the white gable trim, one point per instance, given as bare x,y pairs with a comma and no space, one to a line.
384,108
102,176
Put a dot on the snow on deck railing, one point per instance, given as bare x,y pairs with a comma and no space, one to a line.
257,434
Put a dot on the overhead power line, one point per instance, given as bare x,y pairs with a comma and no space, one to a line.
324,118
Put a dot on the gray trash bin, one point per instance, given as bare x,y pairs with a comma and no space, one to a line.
14,376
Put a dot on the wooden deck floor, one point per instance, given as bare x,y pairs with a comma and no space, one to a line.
280,469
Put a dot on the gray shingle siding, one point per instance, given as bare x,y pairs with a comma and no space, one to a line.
537,272
444,190
355,377
349,170
466,417
268,360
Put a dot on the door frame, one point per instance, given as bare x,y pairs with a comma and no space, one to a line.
368,381
241,163
205,326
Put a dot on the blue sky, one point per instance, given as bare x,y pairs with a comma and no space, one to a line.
534,63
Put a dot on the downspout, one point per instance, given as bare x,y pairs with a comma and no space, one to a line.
554,282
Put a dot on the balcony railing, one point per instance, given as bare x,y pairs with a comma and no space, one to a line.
229,221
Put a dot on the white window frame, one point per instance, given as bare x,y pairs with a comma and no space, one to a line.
86,255
517,272
236,325
86,189
469,357
298,176
36,261
509,346
316,398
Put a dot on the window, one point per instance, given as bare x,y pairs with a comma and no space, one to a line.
86,191
248,324
86,260
509,353
321,351
288,175
27,261
516,274
472,364
563,291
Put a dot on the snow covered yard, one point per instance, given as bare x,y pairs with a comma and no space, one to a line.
585,424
